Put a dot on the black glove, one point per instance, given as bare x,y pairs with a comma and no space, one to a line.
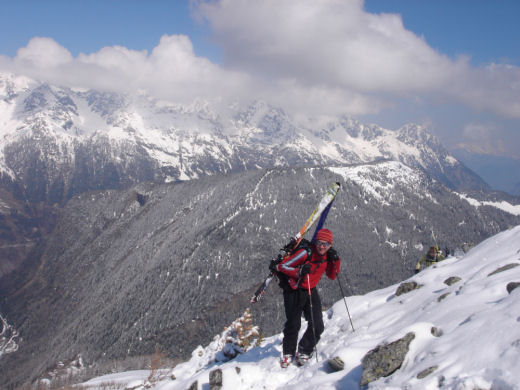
305,269
332,254
290,246
273,264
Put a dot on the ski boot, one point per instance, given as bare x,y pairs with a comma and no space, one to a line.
302,359
286,360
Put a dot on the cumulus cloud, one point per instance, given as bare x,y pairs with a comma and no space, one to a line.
171,71
43,53
316,57
336,45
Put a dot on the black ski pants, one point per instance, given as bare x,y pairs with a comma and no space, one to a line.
297,302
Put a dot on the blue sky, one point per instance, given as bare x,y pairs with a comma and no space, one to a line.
86,26
453,65
487,30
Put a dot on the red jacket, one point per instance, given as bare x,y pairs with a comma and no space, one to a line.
319,264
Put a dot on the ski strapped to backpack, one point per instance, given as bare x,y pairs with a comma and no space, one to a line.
319,213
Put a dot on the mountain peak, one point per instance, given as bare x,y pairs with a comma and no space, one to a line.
79,135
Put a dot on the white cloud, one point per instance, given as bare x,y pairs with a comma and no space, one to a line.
316,57
336,45
44,53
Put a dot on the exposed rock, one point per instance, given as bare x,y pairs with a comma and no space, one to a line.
436,331
443,296
385,359
215,379
504,268
511,286
428,371
406,287
336,363
452,280
194,386
140,198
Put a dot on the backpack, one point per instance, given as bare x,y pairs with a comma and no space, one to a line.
283,279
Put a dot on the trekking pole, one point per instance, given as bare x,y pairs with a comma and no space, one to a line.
435,240
312,318
345,300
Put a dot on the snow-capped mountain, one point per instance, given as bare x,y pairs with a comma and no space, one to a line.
462,315
172,264
57,142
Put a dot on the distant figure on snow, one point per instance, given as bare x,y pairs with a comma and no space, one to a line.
431,257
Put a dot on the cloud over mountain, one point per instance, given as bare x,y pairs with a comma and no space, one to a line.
324,57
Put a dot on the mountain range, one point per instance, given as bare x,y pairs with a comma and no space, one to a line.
128,222
171,264
57,142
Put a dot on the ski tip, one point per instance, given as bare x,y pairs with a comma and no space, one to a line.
255,298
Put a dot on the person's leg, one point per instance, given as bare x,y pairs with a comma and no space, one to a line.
306,345
293,313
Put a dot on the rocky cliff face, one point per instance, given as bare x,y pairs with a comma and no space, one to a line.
171,264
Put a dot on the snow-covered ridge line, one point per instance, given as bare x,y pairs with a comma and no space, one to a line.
396,172
503,205
182,143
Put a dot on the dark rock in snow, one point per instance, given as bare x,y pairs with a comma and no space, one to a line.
443,296
452,280
385,359
511,286
336,363
504,268
406,288
428,371
215,379
436,331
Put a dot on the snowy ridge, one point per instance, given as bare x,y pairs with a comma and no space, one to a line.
503,205
476,344
174,142
378,180
9,338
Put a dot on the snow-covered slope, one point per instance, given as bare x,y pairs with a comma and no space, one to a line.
476,344
9,337
78,140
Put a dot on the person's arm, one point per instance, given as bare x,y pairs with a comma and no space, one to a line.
333,264
291,265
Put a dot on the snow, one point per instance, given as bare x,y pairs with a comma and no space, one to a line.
174,134
502,205
396,171
478,347
451,160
